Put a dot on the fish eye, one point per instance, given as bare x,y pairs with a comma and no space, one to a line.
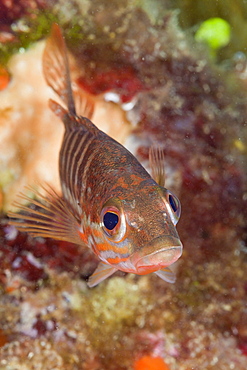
113,221
110,220
174,206
173,202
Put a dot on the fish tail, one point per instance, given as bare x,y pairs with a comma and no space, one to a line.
56,68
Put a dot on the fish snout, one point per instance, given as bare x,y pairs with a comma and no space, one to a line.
161,252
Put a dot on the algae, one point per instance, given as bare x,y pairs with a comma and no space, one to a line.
27,30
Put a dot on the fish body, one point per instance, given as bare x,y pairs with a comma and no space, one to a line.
109,202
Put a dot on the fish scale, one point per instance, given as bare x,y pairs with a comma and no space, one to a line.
109,202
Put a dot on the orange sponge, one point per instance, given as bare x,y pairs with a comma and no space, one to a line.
4,78
150,363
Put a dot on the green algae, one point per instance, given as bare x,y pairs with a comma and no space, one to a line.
112,307
215,32
27,30
194,12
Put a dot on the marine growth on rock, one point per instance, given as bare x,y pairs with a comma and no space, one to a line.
152,83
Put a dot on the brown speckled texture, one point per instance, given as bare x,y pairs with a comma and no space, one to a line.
49,319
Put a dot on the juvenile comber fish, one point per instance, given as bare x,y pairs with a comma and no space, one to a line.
109,202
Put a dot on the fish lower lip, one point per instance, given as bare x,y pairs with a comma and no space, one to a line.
161,258
158,253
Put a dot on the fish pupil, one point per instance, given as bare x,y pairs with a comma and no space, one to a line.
173,203
110,220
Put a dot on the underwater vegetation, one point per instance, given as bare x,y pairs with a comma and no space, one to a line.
161,87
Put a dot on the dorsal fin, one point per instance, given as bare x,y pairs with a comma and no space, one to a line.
56,68
84,104
57,75
157,164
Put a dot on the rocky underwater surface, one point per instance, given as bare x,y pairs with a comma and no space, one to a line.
151,83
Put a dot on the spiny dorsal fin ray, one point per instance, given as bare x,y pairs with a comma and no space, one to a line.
157,164
56,67
57,74
58,110
47,216
84,104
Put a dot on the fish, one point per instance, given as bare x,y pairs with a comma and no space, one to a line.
108,202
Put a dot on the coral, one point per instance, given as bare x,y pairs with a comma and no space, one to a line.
19,148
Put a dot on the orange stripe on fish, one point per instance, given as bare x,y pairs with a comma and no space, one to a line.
120,250
109,202
116,260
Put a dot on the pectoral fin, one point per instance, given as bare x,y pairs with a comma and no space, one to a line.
166,274
48,216
102,272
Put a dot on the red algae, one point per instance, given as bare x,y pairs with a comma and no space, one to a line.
12,10
30,258
3,338
124,80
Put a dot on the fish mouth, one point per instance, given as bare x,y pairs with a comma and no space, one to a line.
158,254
